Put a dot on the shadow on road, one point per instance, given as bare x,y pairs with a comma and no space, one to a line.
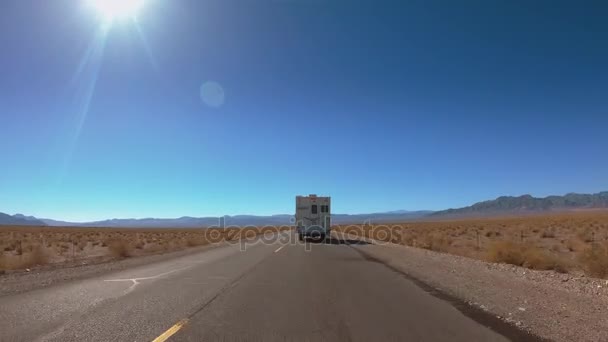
336,241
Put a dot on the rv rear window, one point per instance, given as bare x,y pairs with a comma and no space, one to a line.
313,209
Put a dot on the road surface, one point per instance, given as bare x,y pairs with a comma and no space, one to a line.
269,292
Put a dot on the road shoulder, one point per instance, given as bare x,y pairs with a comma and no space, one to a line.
547,307
23,281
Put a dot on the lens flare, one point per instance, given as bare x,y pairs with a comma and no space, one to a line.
117,9
212,94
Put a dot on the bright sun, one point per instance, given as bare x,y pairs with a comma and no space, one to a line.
117,9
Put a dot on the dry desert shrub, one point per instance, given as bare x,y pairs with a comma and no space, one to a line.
119,248
492,233
548,234
3,265
36,257
157,248
506,252
81,245
595,260
541,259
408,238
586,235
575,245
436,242
140,245
525,255
196,241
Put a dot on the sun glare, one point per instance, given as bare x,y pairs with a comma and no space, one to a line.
117,9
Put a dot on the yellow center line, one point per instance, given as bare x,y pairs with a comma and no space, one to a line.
278,249
171,331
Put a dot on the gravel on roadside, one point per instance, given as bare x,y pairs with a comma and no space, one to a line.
554,306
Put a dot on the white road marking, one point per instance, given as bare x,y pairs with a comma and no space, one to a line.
136,281
278,249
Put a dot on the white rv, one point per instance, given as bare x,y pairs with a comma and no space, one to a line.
313,216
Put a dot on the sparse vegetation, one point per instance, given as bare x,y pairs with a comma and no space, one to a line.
567,242
506,252
25,247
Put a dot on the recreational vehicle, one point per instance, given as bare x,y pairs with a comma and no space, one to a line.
313,216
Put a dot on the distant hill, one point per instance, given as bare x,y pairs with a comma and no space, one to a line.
505,205
386,217
528,204
182,222
239,220
20,220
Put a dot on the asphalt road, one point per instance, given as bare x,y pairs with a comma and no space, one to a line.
269,292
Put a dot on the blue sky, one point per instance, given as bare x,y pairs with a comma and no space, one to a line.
383,105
